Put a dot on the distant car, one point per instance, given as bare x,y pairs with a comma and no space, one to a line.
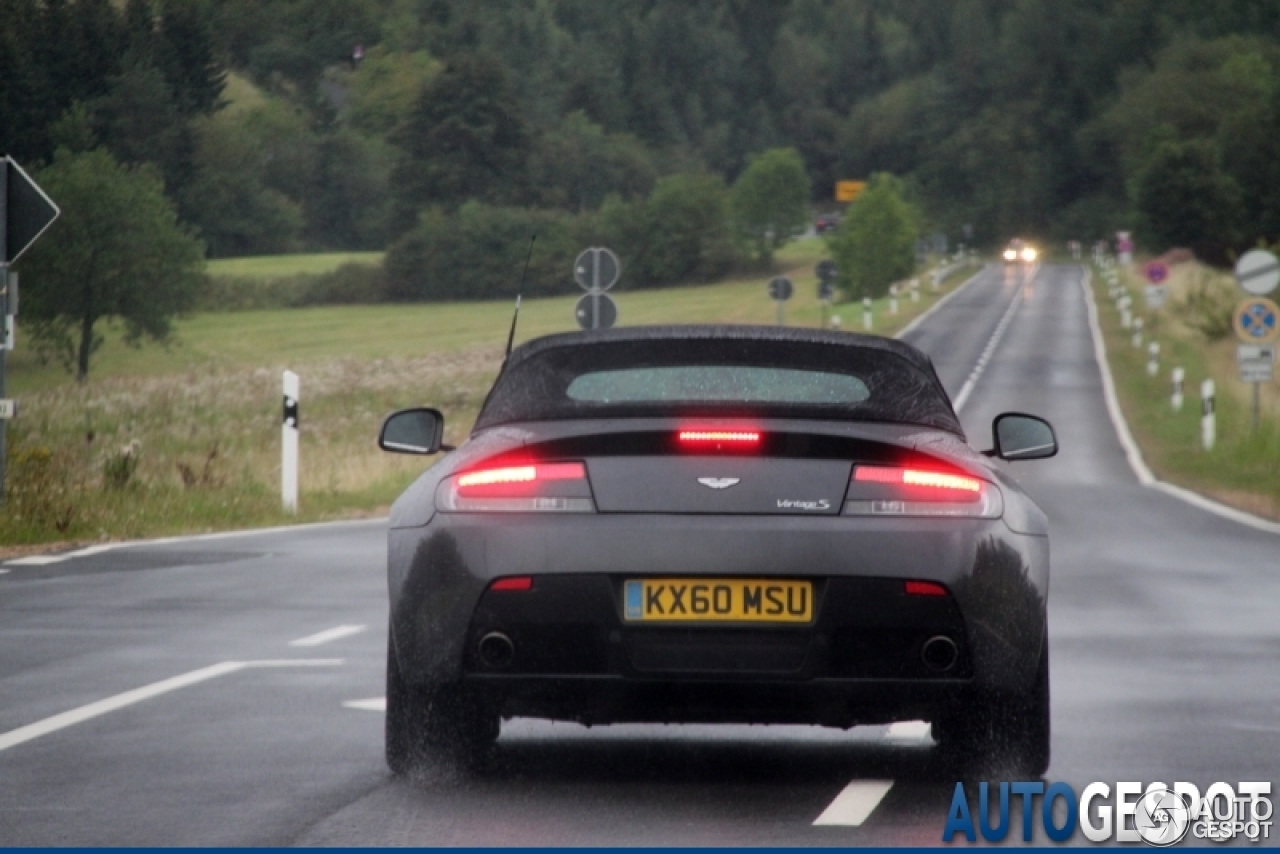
1018,252
826,222
717,524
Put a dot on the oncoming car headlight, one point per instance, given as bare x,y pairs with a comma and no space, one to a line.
1011,255
1028,254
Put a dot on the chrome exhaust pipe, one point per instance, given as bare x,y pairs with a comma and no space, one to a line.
939,653
496,650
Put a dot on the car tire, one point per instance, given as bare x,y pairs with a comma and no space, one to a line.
444,726
1001,732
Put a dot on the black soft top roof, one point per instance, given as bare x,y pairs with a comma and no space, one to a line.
731,332
904,386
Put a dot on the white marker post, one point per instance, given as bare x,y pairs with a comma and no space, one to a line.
934,278
867,320
893,299
915,290
1153,363
1208,429
1176,400
1137,333
289,445
835,321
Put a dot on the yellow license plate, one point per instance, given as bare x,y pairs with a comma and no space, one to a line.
717,600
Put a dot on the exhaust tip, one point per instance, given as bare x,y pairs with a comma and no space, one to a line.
939,653
496,650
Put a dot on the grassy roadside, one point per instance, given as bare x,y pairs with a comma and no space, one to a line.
1243,468
280,266
187,440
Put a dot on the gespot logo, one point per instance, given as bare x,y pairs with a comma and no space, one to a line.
1158,814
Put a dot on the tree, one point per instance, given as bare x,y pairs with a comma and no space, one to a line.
875,244
1185,199
771,199
465,140
117,252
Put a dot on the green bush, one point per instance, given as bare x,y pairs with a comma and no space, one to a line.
875,244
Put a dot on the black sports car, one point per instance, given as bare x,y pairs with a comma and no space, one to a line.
717,524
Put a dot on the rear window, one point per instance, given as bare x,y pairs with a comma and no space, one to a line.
717,384
710,376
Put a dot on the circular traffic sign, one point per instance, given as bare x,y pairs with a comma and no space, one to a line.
596,269
1257,320
826,291
596,311
1157,272
780,289
826,271
1258,272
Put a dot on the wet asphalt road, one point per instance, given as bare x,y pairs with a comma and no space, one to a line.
1164,625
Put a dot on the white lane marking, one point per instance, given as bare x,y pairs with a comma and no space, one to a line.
327,635
910,327
992,344
855,803
1131,451
373,704
22,734
35,560
908,731
41,560
4,572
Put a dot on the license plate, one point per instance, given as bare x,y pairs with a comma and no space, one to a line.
718,600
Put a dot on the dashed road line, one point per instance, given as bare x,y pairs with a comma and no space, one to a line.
327,635
23,734
909,731
373,704
992,344
854,804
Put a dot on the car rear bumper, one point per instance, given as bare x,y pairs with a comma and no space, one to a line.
865,642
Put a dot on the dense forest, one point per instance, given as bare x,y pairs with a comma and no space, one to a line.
282,125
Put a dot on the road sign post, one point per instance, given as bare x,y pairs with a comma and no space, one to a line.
780,290
596,270
25,213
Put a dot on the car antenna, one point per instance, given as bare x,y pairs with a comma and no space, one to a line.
511,336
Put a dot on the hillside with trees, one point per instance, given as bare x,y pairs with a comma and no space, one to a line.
434,125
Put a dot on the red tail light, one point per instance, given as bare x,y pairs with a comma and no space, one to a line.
523,488
495,481
925,588
518,583
719,437
902,491
916,477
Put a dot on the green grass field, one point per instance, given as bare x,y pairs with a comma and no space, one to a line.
1243,469
205,412
280,266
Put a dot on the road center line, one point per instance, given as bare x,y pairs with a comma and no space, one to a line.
327,635
854,803
992,344
373,704
23,734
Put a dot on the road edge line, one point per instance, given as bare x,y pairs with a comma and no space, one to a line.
1131,450
920,318
186,538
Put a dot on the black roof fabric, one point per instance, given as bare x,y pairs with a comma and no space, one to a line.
901,379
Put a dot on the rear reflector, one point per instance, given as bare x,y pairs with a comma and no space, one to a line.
925,588
720,437
524,582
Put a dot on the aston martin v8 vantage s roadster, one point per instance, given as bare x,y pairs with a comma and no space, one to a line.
717,524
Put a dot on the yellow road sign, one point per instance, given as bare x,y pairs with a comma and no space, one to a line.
847,191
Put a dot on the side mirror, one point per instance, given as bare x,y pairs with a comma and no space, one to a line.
412,431
1022,437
